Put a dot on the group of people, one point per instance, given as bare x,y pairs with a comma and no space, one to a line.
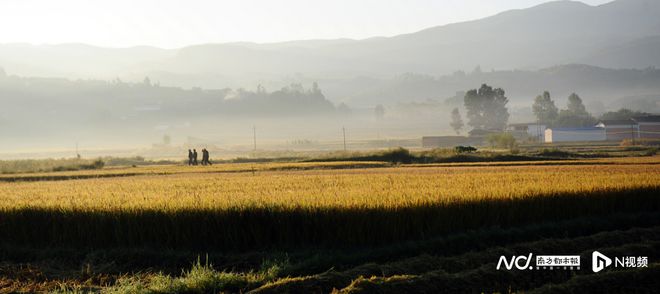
192,157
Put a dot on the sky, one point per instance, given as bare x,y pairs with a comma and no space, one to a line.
179,23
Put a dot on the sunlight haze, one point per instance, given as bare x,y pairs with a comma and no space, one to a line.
173,23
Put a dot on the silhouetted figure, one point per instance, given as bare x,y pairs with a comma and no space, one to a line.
190,157
194,156
205,157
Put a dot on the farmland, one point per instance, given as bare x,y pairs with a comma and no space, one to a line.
318,226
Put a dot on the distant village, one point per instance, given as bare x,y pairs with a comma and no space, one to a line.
637,128
488,117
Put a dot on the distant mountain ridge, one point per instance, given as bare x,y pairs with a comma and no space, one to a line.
619,34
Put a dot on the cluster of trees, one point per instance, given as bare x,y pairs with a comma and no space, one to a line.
574,115
85,102
290,100
486,109
622,113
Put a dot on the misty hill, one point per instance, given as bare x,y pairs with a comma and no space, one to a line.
37,106
542,36
42,108
594,84
77,60
636,54
620,34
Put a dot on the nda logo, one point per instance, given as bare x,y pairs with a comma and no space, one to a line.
599,261
515,260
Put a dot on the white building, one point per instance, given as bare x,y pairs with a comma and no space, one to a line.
556,135
531,130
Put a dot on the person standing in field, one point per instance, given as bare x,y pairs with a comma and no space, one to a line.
194,156
190,157
205,157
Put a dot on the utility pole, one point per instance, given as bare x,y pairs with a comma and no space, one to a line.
538,128
632,133
254,137
343,130
538,131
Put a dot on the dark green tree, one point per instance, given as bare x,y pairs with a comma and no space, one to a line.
456,121
575,104
486,108
622,113
544,109
575,114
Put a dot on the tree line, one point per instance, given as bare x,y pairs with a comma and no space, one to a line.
487,110
575,114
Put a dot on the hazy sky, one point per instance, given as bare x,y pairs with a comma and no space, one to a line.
176,23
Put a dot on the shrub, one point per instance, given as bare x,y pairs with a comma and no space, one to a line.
651,152
465,149
642,142
502,140
554,152
397,155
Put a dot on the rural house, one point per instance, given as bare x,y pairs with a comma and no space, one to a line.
524,130
618,130
556,135
648,126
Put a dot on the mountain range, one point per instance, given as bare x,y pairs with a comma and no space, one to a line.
621,34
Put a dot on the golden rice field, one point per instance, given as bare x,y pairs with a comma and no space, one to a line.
240,206
236,186
355,226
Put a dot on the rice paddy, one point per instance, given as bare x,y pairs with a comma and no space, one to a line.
306,185
291,207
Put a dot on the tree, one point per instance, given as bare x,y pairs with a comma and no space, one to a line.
486,108
379,111
456,121
575,114
544,109
315,88
167,140
622,113
575,104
